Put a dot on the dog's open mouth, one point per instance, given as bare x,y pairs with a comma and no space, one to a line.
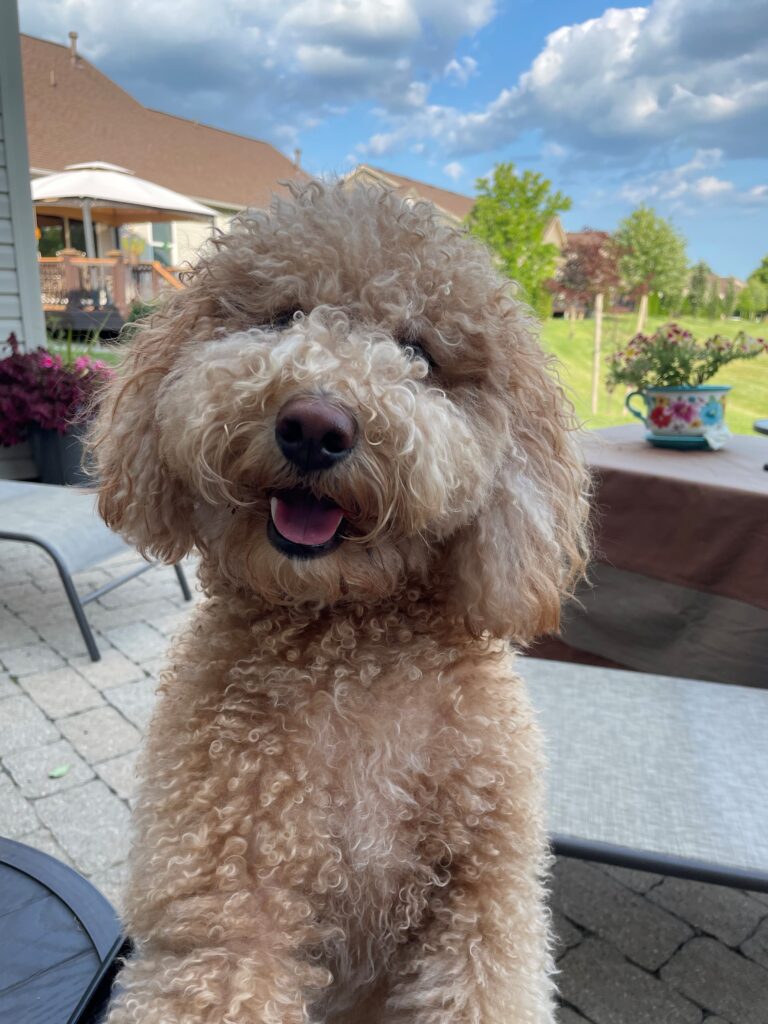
303,526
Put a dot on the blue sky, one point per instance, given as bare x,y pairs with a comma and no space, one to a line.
664,103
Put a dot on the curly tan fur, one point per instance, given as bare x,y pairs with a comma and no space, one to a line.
340,815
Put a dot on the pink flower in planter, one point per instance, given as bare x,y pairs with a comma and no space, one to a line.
683,410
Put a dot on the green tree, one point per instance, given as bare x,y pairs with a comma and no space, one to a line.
729,301
752,300
511,214
697,287
714,306
653,259
761,273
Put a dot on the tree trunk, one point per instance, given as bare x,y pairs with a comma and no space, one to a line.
596,350
642,313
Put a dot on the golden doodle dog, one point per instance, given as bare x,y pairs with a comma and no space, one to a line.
349,417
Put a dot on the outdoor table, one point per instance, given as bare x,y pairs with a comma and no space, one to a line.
679,584
59,938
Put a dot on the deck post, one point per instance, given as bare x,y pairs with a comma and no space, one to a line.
118,282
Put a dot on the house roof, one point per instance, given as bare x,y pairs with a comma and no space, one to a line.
75,113
454,204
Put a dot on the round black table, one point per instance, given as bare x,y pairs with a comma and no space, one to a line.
59,940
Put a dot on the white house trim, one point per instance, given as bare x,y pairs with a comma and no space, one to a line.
23,311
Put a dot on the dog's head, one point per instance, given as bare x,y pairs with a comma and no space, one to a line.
344,401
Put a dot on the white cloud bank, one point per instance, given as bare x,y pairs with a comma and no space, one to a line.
687,72
272,65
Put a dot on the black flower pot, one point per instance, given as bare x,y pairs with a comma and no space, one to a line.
59,457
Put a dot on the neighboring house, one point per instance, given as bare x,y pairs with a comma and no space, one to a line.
76,114
722,284
453,205
20,309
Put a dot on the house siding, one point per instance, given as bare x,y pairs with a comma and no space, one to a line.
20,307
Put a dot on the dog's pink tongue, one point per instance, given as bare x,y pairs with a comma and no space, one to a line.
305,520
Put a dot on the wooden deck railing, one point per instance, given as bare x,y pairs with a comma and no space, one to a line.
76,286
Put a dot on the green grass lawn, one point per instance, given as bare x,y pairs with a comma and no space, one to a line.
747,402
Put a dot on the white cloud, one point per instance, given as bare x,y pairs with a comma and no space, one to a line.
460,71
686,185
710,186
454,170
264,65
631,79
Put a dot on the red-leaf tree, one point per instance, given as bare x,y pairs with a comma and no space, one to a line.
589,267
589,270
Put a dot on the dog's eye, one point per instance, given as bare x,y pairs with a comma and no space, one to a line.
283,319
417,350
408,338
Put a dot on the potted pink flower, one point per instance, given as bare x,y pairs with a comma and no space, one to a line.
668,371
46,398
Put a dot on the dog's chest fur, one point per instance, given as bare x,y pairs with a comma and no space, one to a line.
352,767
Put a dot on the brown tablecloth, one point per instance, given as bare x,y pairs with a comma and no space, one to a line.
680,580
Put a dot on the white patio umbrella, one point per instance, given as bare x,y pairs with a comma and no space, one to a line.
112,195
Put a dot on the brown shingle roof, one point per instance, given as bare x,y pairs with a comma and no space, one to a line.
76,114
453,203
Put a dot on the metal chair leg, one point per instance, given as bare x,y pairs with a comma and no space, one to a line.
182,582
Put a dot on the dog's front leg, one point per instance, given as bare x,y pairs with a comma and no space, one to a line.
483,956
482,960
229,978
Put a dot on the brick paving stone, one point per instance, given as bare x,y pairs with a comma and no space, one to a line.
138,641
90,823
726,913
157,609
30,658
111,883
607,989
100,734
566,934
762,897
24,594
14,632
720,980
65,638
49,615
103,619
16,814
7,687
61,692
134,592
42,839
119,773
113,669
756,946
640,881
155,666
23,725
171,625
593,899
30,769
136,701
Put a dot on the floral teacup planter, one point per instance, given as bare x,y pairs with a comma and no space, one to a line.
683,417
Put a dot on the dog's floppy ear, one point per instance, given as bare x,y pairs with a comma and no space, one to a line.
512,567
138,495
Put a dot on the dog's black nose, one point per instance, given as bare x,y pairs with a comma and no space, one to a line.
313,434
